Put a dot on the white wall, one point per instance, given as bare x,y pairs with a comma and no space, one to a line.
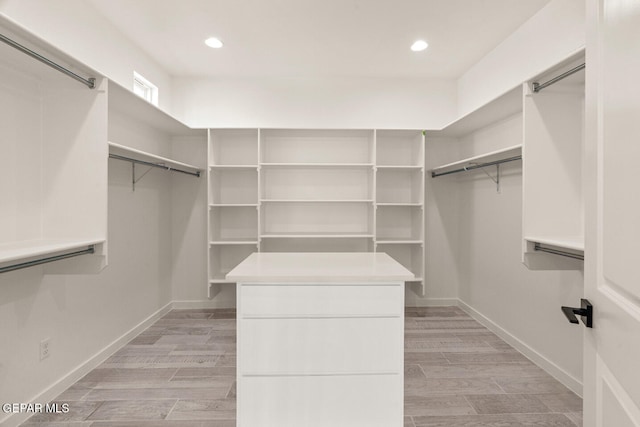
341,102
553,34
76,28
491,277
82,314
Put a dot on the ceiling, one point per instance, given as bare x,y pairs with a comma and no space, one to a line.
305,38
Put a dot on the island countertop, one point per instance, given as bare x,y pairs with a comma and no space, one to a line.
319,267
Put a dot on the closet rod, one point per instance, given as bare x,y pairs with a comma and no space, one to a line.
537,87
90,249
90,82
153,165
539,248
478,166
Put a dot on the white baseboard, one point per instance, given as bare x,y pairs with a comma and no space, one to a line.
86,367
551,368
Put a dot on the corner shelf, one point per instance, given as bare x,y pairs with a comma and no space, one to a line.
498,109
316,201
317,165
295,235
476,161
135,154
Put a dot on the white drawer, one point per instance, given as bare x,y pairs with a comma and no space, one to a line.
267,300
321,401
320,345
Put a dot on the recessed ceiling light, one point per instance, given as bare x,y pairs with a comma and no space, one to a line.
419,45
213,42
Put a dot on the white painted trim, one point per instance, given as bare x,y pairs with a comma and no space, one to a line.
551,368
72,377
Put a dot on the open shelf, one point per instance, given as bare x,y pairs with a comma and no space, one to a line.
212,167
398,242
500,108
492,156
25,250
399,148
136,154
316,165
575,243
232,242
316,236
316,201
233,148
131,105
233,205
233,186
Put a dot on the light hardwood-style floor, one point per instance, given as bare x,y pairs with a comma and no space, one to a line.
180,372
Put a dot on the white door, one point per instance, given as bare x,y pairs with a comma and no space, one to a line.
612,172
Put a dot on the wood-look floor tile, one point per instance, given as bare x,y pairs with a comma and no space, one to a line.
408,422
202,349
177,361
449,346
130,410
227,360
78,411
57,424
187,314
165,423
144,350
437,405
446,324
504,420
183,339
129,374
461,386
575,417
232,393
562,402
425,358
176,330
144,339
75,392
102,394
486,357
209,409
217,371
507,404
413,371
530,385
483,370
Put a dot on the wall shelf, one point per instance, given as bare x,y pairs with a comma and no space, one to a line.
491,157
500,108
135,154
315,190
232,242
317,165
16,251
575,243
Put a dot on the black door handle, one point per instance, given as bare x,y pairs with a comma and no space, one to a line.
585,312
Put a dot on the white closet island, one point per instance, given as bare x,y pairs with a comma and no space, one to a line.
320,339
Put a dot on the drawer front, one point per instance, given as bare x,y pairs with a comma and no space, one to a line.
321,300
321,401
320,346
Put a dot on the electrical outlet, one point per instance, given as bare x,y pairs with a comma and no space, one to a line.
45,348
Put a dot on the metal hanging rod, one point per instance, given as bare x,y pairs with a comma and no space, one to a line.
90,250
477,166
90,82
539,248
153,165
537,87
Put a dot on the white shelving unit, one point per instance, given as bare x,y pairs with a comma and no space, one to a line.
54,178
279,190
553,207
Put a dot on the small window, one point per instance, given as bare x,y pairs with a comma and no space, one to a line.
145,89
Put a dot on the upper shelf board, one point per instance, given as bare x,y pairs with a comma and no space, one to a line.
500,108
131,105
10,252
575,243
133,153
504,153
